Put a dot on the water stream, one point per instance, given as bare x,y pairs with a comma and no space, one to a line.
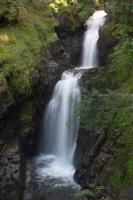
51,173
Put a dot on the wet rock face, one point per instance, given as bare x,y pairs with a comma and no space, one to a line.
20,118
6,98
72,40
9,158
126,193
73,46
56,61
88,147
9,170
95,156
106,41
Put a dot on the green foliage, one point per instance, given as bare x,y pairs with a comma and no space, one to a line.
122,58
111,110
109,105
123,166
100,4
116,181
75,12
21,45
119,71
86,8
118,75
122,11
84,193
27,29
121,178
93,191
129,180
10,12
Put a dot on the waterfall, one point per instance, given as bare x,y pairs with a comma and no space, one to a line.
60,121
61,124
90,50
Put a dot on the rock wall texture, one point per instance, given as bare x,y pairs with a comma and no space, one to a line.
95,151
20,118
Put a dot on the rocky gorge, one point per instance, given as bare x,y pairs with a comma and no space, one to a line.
21,115
20,122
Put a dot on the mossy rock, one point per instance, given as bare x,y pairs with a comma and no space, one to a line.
26,119
22,45
106,40
6,98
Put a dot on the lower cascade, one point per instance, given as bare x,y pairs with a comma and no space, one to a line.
61,123
61,126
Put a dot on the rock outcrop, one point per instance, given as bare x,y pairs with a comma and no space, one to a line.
106,41
96,153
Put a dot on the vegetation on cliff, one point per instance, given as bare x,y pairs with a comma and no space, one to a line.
26,30
109,105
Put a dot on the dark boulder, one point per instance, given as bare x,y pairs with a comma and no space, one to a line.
106,41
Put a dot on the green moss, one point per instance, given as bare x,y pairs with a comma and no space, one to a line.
118,73
25,131
74,12
21,46
26,119
26,114
27,31
123,166
109,111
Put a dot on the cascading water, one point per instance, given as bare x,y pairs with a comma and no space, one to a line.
61,122
61,126
90,50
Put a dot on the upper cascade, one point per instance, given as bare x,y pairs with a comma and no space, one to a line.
96,20
90,50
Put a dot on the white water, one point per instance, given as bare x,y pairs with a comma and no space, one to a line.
90,50
60,121
61,125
